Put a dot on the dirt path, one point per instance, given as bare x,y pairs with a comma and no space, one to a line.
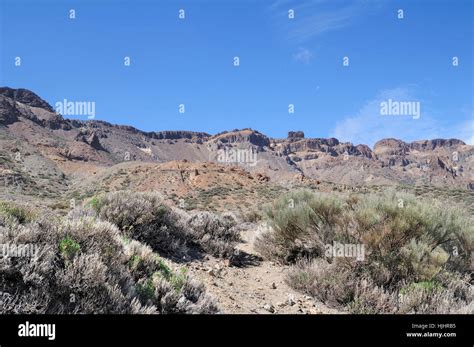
257,287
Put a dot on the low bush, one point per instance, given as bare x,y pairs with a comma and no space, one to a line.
215,234
408,245
328,282
302,224
168,231
144,217
20,213
85,266
446,293
161,287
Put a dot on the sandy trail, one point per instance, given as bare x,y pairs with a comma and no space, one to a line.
256,287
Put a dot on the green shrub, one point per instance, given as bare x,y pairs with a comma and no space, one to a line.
68,248
302,224
22,214
410,239
146,289
408,244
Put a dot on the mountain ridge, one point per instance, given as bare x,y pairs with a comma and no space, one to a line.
46,142
29,98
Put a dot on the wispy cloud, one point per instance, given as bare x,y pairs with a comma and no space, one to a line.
303,55
466,130
368,125
316,17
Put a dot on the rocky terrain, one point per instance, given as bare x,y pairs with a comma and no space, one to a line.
50,161
36,136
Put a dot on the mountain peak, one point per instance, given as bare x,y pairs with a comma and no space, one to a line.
26,97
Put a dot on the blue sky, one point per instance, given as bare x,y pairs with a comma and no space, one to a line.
282,61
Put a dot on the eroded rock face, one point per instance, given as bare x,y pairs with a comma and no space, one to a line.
56,121
92,138
429,145
8,112
176,135
28,118
399,147
329,146
295,135
391,147
94,142
364,150
239,136
26,97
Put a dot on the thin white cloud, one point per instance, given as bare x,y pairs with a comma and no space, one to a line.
303,55
316,17
368,126
466,131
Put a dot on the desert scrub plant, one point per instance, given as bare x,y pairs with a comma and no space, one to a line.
302,223
68,248
144,217
252,216
339,287
95,203
166,289
167,230
408,243
405,238
371,299
408,239
90,281
84,266
215,234
22,214
330,283
447,293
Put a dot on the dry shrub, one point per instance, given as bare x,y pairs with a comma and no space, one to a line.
16,212
144,217
302,224
161,287
407,241
215,234
168,231
77,268
332,284
371,299
85,266
447,293
341,288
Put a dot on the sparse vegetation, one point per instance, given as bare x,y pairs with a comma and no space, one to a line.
144,217
68,248
168,231
100,246
84,266
20,213
215,234
411,247
303,223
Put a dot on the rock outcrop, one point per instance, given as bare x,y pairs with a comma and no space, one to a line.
28,119
26,97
